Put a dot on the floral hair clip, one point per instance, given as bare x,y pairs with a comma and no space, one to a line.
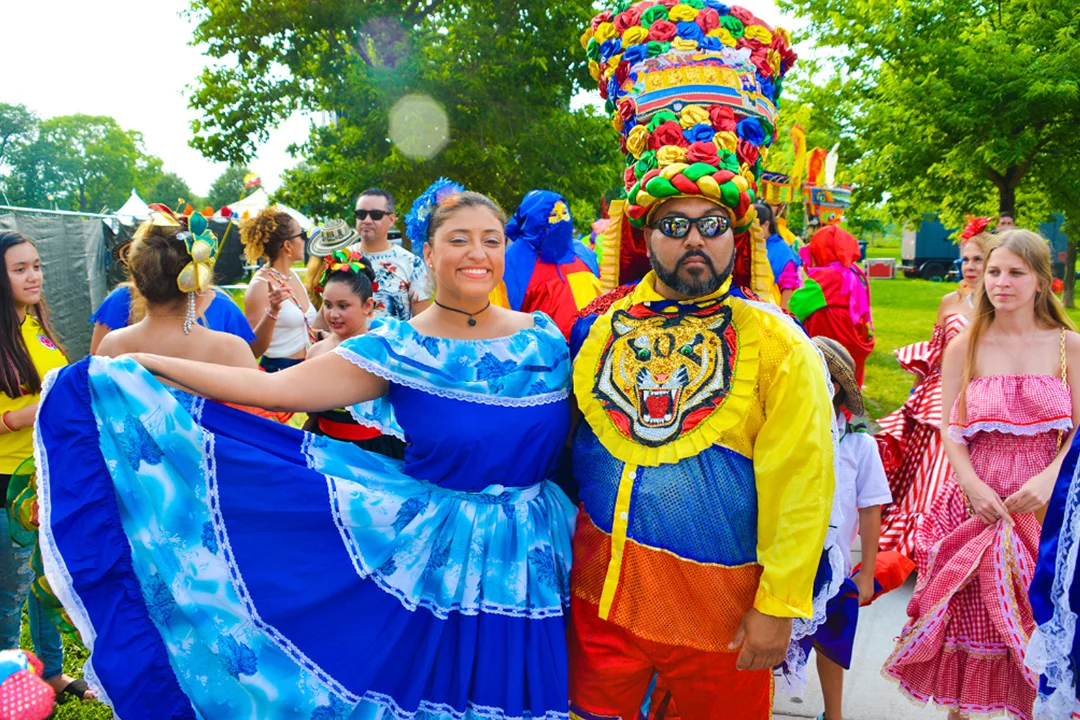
416,222
198,274
347,261
975,226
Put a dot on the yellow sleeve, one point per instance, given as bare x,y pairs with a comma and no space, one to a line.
793,470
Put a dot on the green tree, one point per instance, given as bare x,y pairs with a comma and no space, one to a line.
502,72
17,126
228,187
77,162
168,188
953,102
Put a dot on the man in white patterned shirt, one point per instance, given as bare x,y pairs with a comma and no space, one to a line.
404,288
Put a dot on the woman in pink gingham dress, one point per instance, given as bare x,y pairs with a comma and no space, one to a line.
970,620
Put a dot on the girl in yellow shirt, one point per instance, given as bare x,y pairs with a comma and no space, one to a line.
28,350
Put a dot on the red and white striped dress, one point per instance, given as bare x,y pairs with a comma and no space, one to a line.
910,441
970,619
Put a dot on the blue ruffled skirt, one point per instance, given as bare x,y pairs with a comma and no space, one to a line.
222,566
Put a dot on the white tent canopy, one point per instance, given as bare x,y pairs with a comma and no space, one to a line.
134,209
258,200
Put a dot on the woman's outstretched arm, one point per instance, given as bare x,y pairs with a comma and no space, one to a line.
324,383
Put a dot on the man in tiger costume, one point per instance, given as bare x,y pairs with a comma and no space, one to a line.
704,457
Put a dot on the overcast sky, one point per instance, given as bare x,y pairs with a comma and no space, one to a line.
130,59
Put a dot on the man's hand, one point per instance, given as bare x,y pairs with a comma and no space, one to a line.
865,583
764,641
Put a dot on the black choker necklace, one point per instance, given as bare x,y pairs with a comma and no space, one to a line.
472,316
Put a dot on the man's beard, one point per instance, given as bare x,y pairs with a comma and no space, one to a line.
704,284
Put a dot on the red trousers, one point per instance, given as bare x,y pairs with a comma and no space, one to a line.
610,672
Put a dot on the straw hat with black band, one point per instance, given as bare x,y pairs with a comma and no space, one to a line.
842,368
335,235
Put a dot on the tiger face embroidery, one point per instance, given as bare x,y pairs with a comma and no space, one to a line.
661,375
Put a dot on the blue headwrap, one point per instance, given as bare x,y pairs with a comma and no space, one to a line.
541,230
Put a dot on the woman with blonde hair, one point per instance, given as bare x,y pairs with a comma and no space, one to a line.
910,437
1007,409
276,302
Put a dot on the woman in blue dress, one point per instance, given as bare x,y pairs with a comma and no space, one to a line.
220,566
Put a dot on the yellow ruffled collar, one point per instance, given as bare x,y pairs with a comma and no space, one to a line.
596,375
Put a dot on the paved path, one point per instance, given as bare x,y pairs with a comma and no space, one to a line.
867,695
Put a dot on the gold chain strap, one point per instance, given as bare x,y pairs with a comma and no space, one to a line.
1064,384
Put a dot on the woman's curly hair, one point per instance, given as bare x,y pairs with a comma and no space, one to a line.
265,234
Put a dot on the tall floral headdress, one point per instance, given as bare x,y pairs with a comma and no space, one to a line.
692,87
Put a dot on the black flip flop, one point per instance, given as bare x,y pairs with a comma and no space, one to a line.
77,688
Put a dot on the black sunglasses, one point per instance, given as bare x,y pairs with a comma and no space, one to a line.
302,235
376,215
709,226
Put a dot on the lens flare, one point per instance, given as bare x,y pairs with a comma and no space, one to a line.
419,127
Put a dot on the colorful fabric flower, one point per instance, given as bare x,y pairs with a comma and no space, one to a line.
627,19
601,18
636,53
744,15
747,153
658,48
699,133
726,141
692,115
682,12
637,142
662,31
634,36
670,154
660,118
750,130
689,30
707,20
722,118
733,25
609,49
684,45
646,162
668,133
605,31
650,16
703,152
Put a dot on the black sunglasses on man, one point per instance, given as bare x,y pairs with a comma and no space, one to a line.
376,215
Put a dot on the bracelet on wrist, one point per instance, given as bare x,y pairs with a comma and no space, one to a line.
4,421
270,315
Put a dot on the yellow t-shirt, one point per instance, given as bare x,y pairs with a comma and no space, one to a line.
18,446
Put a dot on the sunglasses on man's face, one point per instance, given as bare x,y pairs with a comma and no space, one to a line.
709,226
376,215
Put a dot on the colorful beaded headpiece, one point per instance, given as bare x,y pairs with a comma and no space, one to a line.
692,86
348,261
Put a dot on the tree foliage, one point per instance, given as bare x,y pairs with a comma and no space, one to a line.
228,187
504,73
77,162
953,103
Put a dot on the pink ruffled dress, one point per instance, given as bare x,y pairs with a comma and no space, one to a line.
969,619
